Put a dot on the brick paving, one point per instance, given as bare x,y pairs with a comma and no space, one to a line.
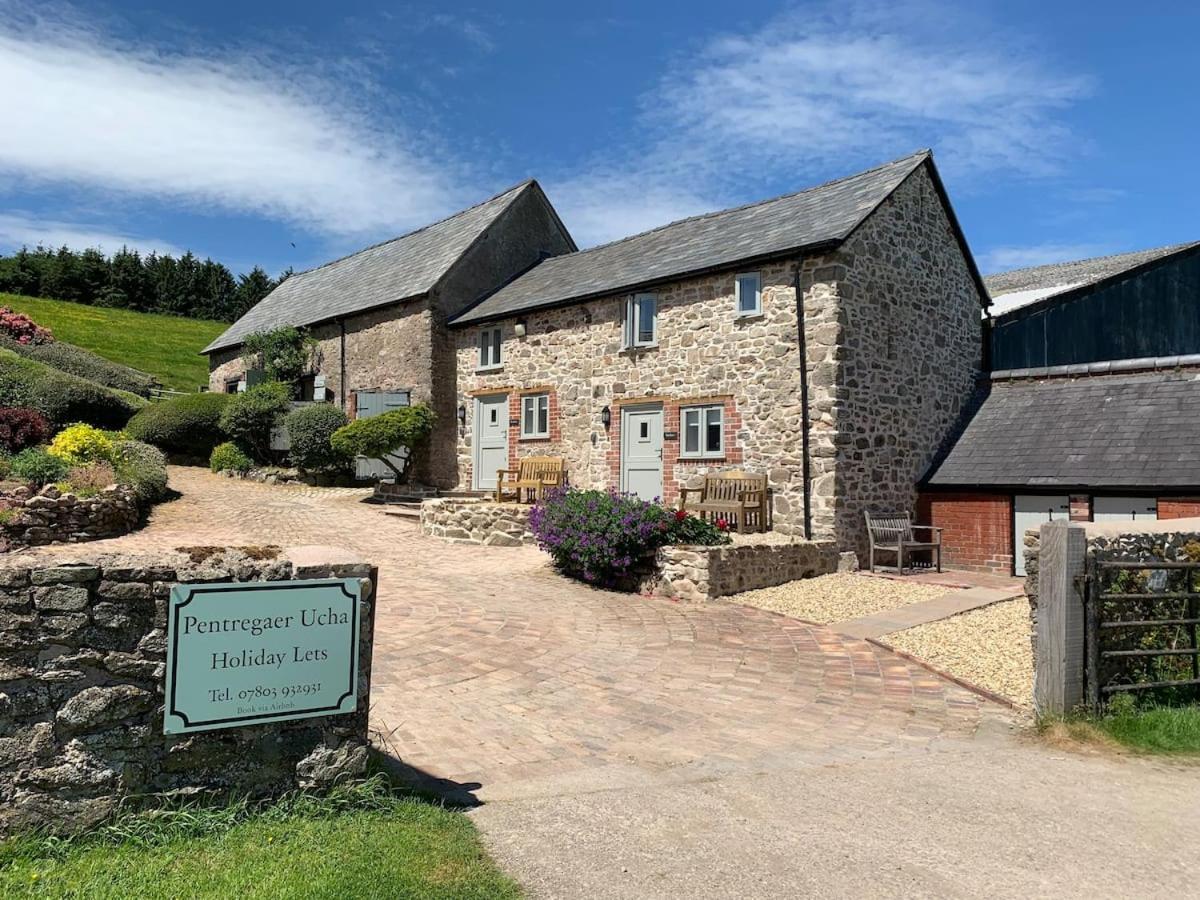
493,672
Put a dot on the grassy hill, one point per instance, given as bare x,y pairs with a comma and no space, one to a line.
167,347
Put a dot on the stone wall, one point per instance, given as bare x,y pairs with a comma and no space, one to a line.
82,652
52,517
469,521
705,573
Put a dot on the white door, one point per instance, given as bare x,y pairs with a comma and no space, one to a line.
1033,511
1124,509
641,451
491,439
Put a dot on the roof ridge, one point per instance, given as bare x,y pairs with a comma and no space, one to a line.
408,234
1092,259
926,152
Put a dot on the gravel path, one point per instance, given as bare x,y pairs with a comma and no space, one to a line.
837,597
988,647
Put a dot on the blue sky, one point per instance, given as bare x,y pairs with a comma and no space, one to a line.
287,133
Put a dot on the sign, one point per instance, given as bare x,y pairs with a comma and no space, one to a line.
260,651
670,435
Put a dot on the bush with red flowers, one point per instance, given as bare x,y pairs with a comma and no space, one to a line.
23,329
21,427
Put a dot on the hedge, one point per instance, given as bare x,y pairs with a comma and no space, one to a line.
186,425
144,468
84,363
309,431
253,415
61,397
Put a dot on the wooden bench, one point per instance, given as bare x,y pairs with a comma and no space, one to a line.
894,533
733,496
531,477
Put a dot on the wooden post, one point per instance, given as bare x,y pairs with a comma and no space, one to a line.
1058,677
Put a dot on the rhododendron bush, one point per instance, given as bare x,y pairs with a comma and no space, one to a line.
23,329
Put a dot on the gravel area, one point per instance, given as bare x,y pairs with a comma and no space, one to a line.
837,597
988,647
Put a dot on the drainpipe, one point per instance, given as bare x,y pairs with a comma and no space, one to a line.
342,363
806,467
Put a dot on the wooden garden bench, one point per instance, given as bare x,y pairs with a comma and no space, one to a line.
531,477
733,496
894,533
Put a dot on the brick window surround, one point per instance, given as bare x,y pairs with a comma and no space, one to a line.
530,446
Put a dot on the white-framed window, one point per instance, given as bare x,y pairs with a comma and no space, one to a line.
641,321
703,431
489,348
535,416
748,294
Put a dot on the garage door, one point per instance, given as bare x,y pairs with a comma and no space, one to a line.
1124,509
373,403
1033,511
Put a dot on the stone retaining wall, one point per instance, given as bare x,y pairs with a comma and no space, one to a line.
82,660
470,521
52,517
705,573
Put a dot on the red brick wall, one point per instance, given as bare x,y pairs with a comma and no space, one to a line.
519,446
978,529
1081,508
1178,507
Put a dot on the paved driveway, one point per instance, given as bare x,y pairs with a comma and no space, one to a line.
625,746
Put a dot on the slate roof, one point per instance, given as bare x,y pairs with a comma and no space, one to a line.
1026,286
403,267
1130,431
819,215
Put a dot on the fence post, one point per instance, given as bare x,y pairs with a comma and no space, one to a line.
1059,662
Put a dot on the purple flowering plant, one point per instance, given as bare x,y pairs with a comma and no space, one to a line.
601,536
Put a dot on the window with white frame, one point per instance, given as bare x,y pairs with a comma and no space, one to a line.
641,321
703,432
535,416
748,291
489,348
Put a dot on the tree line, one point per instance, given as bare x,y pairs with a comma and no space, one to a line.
187,286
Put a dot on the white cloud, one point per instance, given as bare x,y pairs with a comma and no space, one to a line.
1001,259
17,230
237,134
604,204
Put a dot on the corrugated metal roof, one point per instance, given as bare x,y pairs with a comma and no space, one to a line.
403,267
826,213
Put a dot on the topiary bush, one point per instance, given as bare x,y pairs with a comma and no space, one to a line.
60,397
80,444
228,457
187,425
379,437
21,427
250,417
310,431
143,467
36,466
602,537
85,364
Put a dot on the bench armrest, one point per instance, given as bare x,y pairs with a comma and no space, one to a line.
500,473
936,528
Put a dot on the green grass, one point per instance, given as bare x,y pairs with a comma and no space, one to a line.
360,843
1159,730
167,347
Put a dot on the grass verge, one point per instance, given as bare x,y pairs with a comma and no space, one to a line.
1157,730
167,347
361,842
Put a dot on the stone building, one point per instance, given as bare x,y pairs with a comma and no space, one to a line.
830,339
379,315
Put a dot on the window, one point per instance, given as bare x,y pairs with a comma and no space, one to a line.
489,348
748,291
703,432
535,416
641,321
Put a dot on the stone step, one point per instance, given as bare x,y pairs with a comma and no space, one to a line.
403,510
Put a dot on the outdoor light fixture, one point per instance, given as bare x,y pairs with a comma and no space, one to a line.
519,328
606,417
462,414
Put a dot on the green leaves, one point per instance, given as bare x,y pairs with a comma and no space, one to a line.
381,436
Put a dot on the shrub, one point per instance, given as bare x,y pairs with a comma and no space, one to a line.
80,444
283,354
21,328
187,425
89,480
22,427
250,417
36,466
85,364
600,537
63,398
229,457
381,436
142,467
310,431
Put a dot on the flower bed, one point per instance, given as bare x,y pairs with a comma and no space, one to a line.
50,516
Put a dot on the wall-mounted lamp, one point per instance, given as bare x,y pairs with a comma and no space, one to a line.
462,414
519,328
606,417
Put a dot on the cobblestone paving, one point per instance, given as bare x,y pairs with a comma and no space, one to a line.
492,671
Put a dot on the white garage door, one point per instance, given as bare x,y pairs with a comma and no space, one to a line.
1124,509
1033,511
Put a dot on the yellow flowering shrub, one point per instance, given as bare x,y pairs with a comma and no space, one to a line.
79,444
